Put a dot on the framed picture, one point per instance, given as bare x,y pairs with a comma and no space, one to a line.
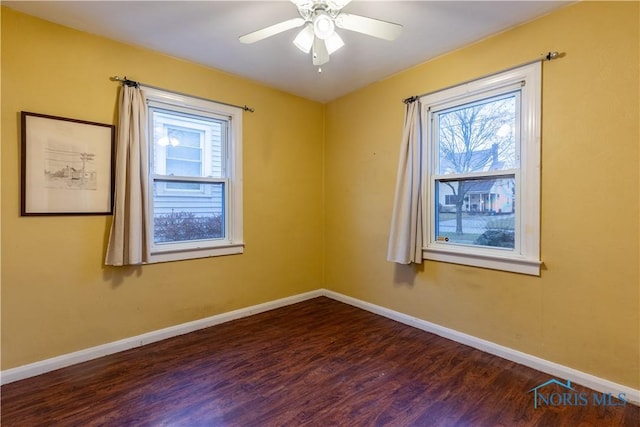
67,166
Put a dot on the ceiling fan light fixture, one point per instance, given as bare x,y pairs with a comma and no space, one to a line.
323,25
304,39
334,42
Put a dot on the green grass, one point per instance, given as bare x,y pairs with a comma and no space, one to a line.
498,222
451,215
505,223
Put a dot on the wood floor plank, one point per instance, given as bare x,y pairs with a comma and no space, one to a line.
316,363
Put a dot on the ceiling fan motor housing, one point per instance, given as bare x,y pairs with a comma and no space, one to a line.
323,25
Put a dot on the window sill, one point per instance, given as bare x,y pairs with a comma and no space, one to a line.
181,255
514,264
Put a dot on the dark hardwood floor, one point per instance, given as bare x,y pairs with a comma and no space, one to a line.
316,363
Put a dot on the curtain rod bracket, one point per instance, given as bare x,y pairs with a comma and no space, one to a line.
126,81
410,99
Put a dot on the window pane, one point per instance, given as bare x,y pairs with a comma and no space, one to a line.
180,186
183,168
185,217
184,153
481,212
477,137
185,137
180,138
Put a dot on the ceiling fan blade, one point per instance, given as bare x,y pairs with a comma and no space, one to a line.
337,4
320,53
272,30
302,3
370,26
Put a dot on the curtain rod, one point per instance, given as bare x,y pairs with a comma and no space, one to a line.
548,57
129,82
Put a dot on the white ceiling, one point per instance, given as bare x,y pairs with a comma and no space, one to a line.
206,32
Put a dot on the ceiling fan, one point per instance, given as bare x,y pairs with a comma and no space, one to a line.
320,19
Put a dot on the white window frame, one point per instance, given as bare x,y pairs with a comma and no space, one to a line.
525,257
233,242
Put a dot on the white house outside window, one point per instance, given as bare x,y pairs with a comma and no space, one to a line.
482,179
195,194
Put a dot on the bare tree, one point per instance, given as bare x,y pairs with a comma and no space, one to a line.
475,138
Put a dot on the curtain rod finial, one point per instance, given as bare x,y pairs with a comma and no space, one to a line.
554,55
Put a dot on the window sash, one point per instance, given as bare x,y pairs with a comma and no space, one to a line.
199,122
182,245
495,95
436,234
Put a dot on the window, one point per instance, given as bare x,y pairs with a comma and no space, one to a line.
195,177
482,180
450,199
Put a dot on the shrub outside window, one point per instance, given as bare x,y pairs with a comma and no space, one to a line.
482,180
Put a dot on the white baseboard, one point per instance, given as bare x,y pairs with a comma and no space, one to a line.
582,378
48,365
561,371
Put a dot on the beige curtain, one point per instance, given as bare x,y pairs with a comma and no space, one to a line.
128,237
405,237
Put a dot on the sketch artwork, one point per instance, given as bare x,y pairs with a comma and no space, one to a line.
70,169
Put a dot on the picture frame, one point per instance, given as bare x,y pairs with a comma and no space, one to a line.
67,166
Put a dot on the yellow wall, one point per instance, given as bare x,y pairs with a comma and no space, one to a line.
583,312
57,297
